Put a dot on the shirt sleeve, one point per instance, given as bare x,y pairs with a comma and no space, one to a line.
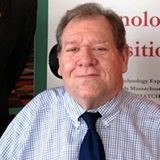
25,133
11,142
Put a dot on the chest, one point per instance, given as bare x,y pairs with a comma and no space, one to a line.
120,141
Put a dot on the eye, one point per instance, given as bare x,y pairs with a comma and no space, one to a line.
72,49
100,49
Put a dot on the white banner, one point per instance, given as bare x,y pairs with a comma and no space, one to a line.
142,22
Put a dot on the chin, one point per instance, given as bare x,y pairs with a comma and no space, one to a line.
88,95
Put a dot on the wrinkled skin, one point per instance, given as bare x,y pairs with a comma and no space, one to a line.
90,64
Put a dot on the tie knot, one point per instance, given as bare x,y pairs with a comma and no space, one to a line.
90,119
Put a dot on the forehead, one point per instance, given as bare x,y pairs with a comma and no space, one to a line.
97,27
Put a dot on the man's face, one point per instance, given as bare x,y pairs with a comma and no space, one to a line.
89,62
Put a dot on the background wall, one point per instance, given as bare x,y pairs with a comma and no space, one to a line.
142,22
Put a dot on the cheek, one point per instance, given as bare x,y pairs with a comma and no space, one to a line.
112,69
65,67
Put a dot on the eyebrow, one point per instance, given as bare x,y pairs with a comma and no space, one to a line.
73,42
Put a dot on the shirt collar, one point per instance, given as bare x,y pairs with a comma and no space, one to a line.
109,110
73,109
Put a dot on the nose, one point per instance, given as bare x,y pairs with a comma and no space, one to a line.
86,57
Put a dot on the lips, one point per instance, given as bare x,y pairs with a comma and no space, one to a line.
88,75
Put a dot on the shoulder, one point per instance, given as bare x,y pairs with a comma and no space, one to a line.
32,121
48,96
140,106
46,100
40,109
134,100
142,112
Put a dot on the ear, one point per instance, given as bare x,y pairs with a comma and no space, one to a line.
59,66
125,57
59,71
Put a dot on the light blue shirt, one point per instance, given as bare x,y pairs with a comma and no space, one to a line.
49,128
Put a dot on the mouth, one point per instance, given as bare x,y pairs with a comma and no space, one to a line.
87,75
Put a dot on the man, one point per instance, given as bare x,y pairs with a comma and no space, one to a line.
17,28
92,55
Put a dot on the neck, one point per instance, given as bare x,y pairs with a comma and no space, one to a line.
94,103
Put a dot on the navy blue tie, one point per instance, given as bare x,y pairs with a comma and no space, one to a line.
92,146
